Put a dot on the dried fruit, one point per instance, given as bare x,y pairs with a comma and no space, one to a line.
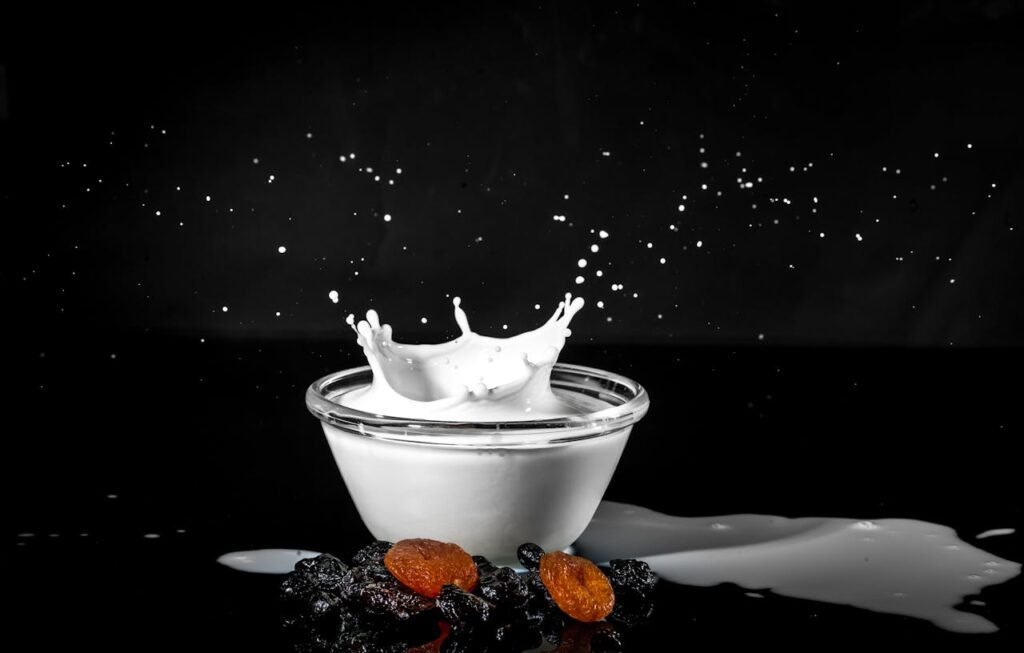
371,554
312,590
529,555
464,611
504,589
577,586
425,566
632,576
368,593
634,583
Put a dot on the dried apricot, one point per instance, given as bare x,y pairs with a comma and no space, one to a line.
577,586
425,566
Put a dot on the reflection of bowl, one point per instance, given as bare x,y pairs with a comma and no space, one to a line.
488,486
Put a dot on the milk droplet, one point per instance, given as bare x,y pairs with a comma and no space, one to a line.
582,263
821,234
224,309
594,249
423,320
333,295
387,217
681,208
859,237
602,233
282,249
207,198
579,280
700,243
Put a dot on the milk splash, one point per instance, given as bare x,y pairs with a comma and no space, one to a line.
472,377
896,566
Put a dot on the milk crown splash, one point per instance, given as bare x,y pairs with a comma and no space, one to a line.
471,378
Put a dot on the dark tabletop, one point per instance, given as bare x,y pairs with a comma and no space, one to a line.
145,458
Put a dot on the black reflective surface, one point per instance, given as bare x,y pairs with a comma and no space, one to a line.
208,446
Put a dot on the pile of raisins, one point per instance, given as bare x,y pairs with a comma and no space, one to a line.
424,596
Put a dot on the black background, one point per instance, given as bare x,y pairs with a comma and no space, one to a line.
136,405
494,114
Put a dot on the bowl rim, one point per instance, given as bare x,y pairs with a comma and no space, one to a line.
631,403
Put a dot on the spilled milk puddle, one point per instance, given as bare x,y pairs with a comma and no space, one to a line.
897,566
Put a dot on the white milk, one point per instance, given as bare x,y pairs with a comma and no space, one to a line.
897,566
471,378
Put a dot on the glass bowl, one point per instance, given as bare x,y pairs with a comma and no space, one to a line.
487,486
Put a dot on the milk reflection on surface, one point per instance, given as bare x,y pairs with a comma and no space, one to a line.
897,566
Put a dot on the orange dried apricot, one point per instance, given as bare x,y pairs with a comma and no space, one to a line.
577,586
425,566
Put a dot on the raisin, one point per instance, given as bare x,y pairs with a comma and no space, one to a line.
505,589
540,602
463,611
314,589
577,586
631,613
425,566
484,566
634,583
529,555
372,553
633,577
374,596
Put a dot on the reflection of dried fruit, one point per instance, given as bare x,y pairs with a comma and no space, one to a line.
433,646
577,586
425,566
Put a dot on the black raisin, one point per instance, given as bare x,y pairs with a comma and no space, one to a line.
505,589
371,554
539,599
376,596
529,555
462,610
631,612
484,566
632,576
314,589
